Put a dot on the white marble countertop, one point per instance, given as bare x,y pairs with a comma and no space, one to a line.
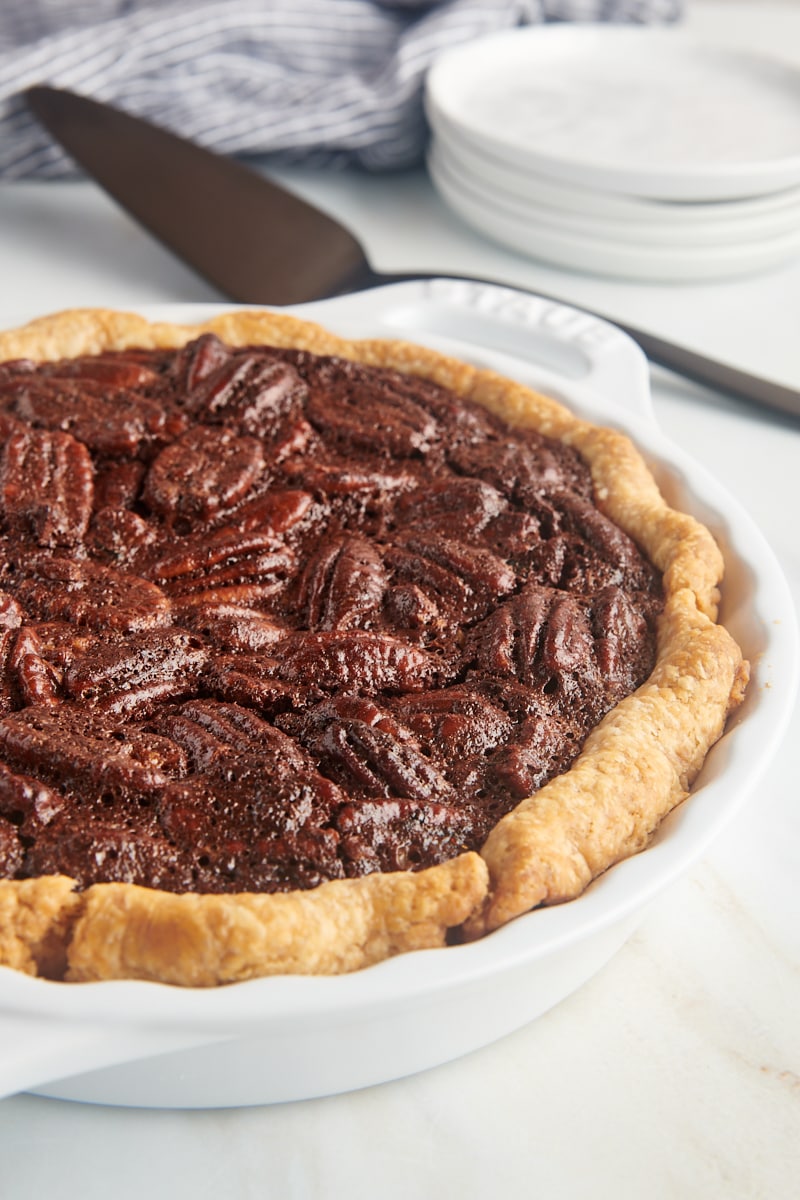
675,1072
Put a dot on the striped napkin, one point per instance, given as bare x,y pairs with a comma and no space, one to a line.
312,81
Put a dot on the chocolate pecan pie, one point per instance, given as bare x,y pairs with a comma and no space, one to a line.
316,651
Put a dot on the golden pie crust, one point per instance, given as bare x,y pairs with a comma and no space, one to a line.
635,767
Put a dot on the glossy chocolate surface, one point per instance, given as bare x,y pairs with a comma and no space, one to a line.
268,618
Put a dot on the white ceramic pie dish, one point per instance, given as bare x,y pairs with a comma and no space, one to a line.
292,1038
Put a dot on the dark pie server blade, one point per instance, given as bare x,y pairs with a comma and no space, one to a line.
257,243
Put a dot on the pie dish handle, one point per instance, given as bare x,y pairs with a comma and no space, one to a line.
35,1052
560,349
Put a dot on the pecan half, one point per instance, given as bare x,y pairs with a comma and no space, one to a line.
197,360
622,645
401,835
342,584
203,472
113,843
258,830
459,721
508,641
87,593
27,802
38,681
198,554
115,371
120,536
110,421
365,748
162,663
357,659
230,627
464,580
452,507
250,392
71,750
335,478
46,487
251,680
370,410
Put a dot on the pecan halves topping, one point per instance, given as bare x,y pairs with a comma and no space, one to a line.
357,659
230,628
281,513
225,566
568,641
367,750
522,472
538,634
250,392
244,679
239,730
259,830
117,482
66,749
621,638
159,664
115,845
375,412
462,580
471,503
46,487
342,584
249,580
197,360
87,593
113,371
37,679
460,722
336,477
270,619
110,421
519,768
119,536
607,540
201,554
26,801
399,835
203,472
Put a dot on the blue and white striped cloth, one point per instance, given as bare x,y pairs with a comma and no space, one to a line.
317,81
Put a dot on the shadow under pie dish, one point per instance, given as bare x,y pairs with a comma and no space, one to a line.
307,664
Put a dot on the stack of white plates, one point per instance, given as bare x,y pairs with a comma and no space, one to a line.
619,150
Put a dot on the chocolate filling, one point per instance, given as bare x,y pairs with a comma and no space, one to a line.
268,618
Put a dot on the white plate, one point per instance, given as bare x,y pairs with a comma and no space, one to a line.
289,1038
641,111
751,214
603,252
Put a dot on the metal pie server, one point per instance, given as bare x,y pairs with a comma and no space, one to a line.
260,244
